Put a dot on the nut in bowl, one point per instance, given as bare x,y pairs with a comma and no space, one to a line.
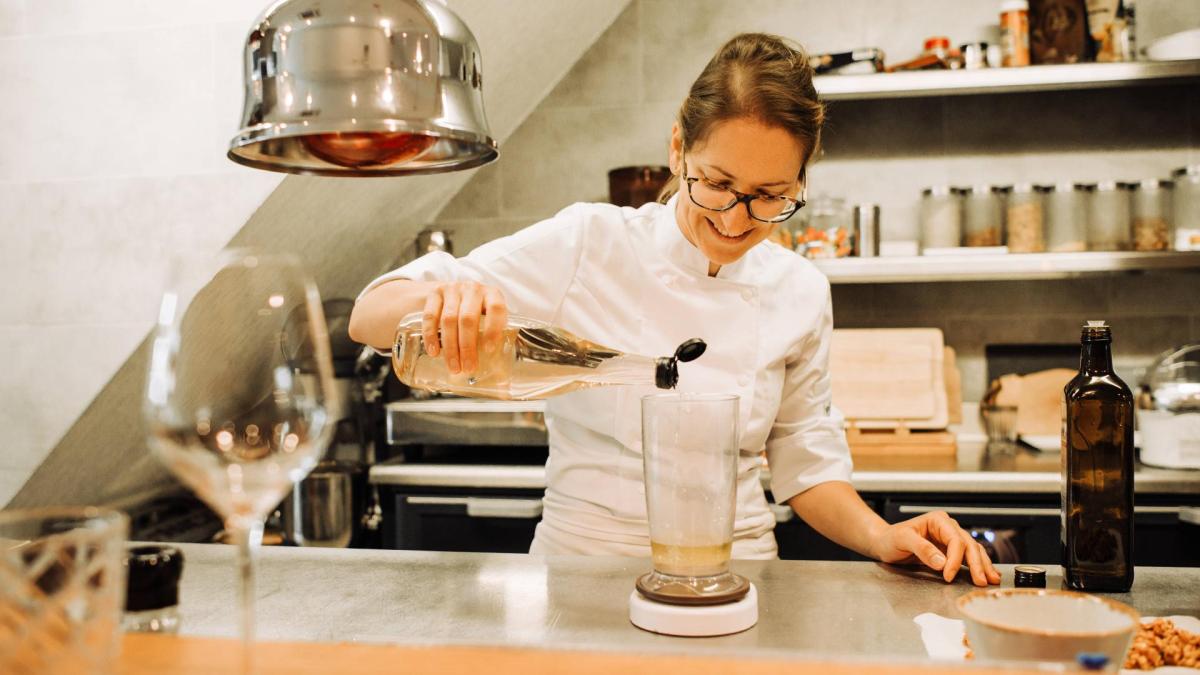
1046,625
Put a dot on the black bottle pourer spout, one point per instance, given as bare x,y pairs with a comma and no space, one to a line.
666,375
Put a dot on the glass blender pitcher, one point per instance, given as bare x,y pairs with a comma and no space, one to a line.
690,450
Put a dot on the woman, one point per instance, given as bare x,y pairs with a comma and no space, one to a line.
643,281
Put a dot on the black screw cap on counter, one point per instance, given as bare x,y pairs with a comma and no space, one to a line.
1028,576
666,374
154,573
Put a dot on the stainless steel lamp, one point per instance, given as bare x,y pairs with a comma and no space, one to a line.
362,88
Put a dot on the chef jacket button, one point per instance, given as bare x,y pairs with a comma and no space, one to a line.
743,380
748,294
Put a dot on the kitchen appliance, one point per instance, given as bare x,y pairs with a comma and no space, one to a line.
332,506
362,88
690,457
1170,430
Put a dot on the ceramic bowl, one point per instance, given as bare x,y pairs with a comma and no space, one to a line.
1028,624
1176,46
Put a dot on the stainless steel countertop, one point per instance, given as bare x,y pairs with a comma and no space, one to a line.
415,597
974,470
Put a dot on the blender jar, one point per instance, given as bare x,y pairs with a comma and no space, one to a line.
690,450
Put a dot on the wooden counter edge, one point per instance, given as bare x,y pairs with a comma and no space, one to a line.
157,654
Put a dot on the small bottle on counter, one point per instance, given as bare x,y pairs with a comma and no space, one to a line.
983,216
941,217
1014,33
1097,465
1187,208
1108,215
152,589
1024,219
534,361
1151,213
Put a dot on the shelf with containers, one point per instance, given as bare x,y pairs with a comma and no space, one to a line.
1005,80
1054,218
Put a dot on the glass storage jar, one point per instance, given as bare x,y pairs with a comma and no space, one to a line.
941,217
1024,219
1065,218
1186,217
983,223
1108,216
1151,215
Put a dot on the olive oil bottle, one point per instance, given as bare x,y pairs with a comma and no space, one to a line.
1097,467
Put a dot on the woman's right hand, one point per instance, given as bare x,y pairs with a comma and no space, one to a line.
451,319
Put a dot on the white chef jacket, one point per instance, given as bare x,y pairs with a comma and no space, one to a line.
628,279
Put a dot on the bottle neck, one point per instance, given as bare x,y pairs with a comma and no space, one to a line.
1096,358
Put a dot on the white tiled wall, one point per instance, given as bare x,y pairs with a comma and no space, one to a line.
116,116
616,106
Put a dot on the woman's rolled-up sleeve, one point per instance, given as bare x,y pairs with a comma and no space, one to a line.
807,444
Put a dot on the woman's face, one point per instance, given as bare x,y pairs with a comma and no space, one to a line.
743,155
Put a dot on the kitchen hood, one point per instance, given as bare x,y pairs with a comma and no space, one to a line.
362,88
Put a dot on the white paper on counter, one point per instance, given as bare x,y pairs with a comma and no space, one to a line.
943,639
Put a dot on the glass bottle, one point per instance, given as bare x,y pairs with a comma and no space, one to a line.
1186,218
1097,466
1023,222
983,216
941,217
1108,221
152,589
1066,218
534,361
1151,215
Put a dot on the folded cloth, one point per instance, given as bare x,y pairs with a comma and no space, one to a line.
943,639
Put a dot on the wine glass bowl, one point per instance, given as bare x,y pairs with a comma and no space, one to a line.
229,409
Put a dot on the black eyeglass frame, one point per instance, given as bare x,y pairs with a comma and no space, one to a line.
742,198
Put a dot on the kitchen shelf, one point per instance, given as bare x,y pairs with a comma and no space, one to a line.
1003,266
1004,80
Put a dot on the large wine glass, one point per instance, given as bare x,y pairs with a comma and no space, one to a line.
236,396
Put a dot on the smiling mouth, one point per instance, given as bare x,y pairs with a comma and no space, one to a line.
725,237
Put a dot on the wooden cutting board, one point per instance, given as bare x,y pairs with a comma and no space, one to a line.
890,377
157,654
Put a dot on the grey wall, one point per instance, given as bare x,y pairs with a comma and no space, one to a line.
116,115
90,247
616,106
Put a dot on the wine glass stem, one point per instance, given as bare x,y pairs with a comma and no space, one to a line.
249,537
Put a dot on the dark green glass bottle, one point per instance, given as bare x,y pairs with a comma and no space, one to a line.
1097,467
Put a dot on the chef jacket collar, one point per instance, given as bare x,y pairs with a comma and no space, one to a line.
682,253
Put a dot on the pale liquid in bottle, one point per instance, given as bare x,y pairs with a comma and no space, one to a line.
519,369
691,561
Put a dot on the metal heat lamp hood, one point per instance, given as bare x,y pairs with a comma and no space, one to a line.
362,88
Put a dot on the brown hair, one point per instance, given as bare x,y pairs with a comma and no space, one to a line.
756,75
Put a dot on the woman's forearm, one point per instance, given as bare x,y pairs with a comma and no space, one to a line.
836,511
376,314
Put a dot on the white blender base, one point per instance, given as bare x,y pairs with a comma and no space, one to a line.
694,620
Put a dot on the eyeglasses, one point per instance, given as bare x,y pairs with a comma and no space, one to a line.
763,208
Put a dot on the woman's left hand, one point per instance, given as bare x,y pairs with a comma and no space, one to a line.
936,540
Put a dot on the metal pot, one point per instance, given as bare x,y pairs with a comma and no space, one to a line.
325,509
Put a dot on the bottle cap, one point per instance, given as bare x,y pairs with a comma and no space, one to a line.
666,372
1014,6
154,573
1028,576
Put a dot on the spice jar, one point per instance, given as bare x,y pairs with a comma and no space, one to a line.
1065,218
1014,33
982,216
1108,216
941,217
1187,208
1024,219
1151,212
